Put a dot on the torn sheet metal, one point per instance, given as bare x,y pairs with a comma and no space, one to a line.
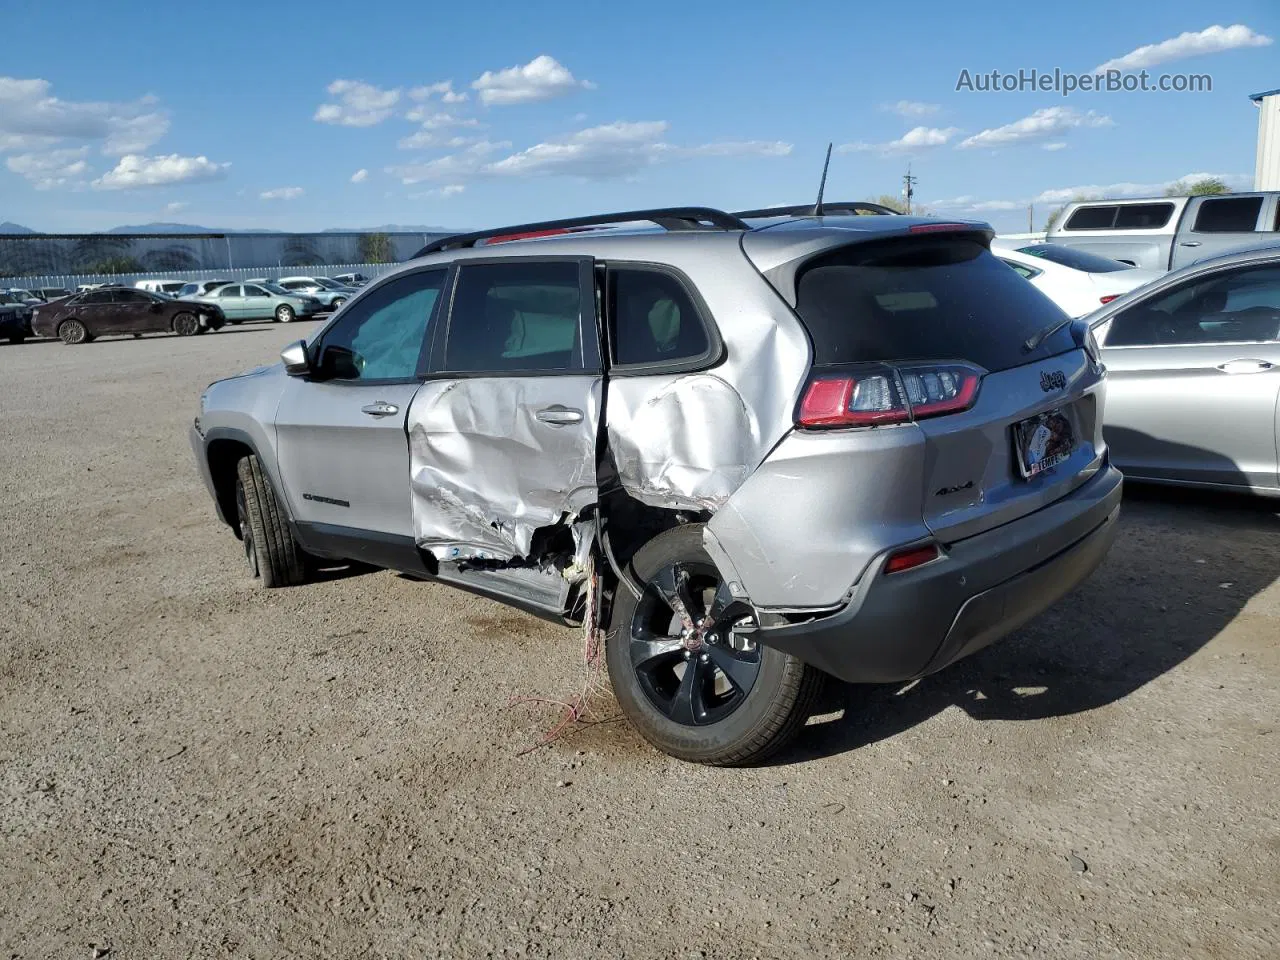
487,471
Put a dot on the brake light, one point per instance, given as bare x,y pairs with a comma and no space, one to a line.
1109,297
875,395
940,227
911,558
530,235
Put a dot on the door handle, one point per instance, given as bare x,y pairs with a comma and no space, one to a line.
1244,366
1190,243
380,408
559,416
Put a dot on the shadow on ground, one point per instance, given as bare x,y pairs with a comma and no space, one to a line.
1183,566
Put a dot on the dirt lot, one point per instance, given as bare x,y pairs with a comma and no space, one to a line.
191,766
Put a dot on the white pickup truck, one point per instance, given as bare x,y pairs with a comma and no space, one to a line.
1165,233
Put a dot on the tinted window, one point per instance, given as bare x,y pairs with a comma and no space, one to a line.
293,284
515,316
1092,218
652,317
130,296
189,289
381,336
1073,258
255,292
1239,306
1143,216
1229,215
1025,272
923,298
97,296
229,291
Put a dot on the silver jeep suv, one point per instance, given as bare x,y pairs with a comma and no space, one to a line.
756,451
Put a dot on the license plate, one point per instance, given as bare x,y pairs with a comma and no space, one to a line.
1042,442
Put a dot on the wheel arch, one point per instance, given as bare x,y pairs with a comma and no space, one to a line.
224,448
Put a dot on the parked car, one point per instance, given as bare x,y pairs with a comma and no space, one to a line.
200,288
24,296
116,310
352,279
261,301
49,294
1165,233
15,318
1194,363
785,457
329,292
171,288
1077,281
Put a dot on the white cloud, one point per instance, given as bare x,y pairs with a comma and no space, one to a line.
1215,39
444,193
359,104
1041,125
176,207
439,119
739,148
542,78
282,193
451,189
1236,181
360,176
911,109
444,90
54,168
135,170
32,118
917,138
1059,145
455,166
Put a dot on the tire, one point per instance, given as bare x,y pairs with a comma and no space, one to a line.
269,547
337,303
72,332
235,323
186,324
723,721
285,314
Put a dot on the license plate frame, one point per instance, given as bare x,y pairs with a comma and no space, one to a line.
1042,442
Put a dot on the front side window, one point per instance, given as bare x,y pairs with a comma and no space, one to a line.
255,292
652,318
130,296
518,316
382,335
1228,215
1239,306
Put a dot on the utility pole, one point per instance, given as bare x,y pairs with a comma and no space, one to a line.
1031,218
908,187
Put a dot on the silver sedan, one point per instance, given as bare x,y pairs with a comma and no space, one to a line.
1194,363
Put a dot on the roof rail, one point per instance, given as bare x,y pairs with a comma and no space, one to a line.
828,207
670,218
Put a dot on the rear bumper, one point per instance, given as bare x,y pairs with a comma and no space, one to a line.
905,625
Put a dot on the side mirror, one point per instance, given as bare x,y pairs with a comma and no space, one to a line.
297,363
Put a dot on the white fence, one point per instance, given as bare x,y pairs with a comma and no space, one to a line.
237,273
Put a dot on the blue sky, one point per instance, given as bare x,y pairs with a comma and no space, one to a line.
264,114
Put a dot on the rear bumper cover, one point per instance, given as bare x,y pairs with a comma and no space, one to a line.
905,625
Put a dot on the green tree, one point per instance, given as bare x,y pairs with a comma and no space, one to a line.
894,202
1204,187
375,248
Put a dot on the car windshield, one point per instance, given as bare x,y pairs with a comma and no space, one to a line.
1073,258
330,284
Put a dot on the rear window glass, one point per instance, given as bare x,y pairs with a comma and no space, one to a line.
1092,218
1143,216
1232,215
923,298
1073,258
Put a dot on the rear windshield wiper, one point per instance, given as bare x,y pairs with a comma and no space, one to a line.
1032,342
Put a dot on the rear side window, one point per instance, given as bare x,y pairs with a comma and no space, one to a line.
1092,218
653,319
1143,216
1231,307
923,298
516,316
1229,215
230,291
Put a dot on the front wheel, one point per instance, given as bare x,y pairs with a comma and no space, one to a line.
72,332
686,669
269,547
284,313
186,325
337,302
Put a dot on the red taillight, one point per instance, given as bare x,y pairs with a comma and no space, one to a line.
911,558
1109,297
532,234
874,395
940,227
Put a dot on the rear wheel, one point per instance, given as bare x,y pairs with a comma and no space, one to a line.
269,547
72,332
284,313
686,669
337,302
186,324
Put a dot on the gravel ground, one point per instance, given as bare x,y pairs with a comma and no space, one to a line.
193,767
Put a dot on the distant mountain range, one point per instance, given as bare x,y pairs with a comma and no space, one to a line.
17,229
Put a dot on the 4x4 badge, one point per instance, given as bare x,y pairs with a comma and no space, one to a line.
1056,380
